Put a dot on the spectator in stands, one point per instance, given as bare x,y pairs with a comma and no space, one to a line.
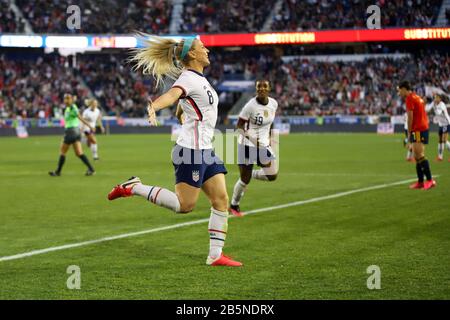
207,16
344,14
29,87
203,16
9,22
107,16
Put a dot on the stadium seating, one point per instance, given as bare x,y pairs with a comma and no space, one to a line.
310,87
224,16
8,20
46,16
338,14
34,87
108,16
119,90
302,86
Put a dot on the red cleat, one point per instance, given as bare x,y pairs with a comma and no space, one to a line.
410,160
223,260
236,211
123,189
438,159
417,185
429,184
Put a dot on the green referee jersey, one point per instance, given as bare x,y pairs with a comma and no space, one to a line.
71,116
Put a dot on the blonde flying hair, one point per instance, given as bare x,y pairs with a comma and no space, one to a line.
161,57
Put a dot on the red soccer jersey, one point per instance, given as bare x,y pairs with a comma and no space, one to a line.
415,104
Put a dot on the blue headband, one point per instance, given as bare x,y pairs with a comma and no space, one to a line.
186,47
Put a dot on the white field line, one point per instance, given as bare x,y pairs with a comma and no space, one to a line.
190,223
115,173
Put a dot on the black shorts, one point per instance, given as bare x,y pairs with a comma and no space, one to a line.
248,155
72,135
194,167
444,129
88,132
419,136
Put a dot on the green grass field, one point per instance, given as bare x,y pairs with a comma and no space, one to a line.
319,250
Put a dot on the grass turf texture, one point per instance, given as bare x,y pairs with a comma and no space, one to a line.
315,251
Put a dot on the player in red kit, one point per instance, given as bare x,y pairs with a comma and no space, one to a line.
418,134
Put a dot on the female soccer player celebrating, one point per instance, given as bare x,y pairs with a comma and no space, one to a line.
196,165
443,119
72,136
255,122
418,134
93,116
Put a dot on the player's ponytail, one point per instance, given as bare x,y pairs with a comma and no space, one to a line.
160,57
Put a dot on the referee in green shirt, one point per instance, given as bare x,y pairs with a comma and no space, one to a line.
72,136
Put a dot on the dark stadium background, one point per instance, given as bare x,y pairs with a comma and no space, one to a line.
315,251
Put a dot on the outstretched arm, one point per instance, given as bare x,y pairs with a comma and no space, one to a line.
164,101
241,124
241,129
167,99
85,122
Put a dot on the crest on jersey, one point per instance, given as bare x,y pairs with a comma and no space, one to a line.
195,175
266,113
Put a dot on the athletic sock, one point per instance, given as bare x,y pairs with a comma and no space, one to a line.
61,161
217,228
409,154
159,196
426,169
86,162
259,175
419,172
239,189
94,150
441,147
448,145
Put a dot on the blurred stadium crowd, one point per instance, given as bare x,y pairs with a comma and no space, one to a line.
103,16
34,88
332,14
201,16
32,85
9,22
356,88
198,16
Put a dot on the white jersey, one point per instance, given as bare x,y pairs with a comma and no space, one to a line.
199,102
440,111
259,118
91,117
